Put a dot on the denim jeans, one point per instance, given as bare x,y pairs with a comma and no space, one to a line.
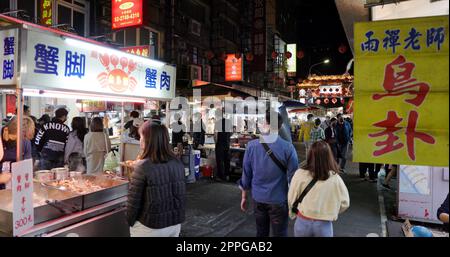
312,228
271,215
342,154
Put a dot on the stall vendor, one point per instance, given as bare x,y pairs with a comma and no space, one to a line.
442,213
133,125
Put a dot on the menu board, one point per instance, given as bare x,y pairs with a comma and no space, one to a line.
22,193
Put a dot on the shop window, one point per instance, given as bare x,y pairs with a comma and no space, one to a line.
144,36
65,15
75,13
130,37
4,6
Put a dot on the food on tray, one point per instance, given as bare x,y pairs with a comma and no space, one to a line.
81,186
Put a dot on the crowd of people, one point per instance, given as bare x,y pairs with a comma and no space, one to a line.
313,193
53,144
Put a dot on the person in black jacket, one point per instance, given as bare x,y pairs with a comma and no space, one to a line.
157,193
330,137
51,141
442,213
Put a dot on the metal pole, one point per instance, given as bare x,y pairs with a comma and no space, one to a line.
19,117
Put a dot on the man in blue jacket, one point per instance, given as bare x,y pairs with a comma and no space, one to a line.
343,138
267,181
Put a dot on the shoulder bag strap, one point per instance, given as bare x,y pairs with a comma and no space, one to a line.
273,157
303,194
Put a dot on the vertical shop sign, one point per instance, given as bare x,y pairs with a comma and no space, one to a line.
22,193
233,68
46,12
126,13
259,36
8,53
402,92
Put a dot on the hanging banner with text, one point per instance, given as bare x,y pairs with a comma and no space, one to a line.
22,194
234,68
401,109
8,56
46,12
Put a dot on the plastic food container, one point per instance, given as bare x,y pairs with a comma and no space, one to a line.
44,175
61,173
75,174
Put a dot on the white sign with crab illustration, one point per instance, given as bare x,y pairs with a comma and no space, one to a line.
57,63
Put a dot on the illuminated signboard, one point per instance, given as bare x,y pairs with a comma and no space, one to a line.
233,68
46,12
292,62
126,13
143,51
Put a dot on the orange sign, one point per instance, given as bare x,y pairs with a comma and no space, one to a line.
143,51
46,12
234,68
126,13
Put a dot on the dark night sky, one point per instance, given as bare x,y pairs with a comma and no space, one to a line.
320,33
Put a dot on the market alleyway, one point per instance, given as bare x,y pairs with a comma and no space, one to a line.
213,209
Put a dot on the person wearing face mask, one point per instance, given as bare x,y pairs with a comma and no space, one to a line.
343,136
51,141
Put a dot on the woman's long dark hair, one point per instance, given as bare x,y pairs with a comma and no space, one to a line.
156,143
320,161
79,126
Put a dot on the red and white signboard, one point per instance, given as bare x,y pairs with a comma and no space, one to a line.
233,68
22,193
126,13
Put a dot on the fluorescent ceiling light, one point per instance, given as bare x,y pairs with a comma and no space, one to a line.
74,95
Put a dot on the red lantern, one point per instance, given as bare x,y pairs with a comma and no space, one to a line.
209,55
300,54
318,101
326,101
249,57
238,55
342,101
288,55
334,100
342,49
274,55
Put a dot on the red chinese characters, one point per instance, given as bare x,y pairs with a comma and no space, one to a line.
390,126
398,80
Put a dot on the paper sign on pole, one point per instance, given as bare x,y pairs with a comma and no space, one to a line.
401,107
22,193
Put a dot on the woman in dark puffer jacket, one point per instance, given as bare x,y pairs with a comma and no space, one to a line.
157,194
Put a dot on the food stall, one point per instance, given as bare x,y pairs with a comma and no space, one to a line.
48,63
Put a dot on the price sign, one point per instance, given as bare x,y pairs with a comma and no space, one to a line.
22,193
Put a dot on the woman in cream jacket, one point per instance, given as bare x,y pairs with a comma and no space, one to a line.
327,198
96,146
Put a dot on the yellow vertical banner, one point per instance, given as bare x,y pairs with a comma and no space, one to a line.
401,107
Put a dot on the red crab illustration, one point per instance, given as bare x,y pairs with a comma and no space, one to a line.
117,78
